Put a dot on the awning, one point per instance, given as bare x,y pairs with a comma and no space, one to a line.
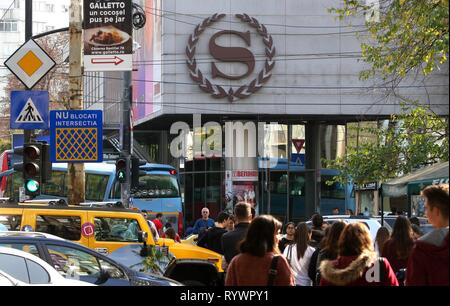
433,174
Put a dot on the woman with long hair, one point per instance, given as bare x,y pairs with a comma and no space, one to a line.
255,262
357,263
329,250
380,239
398,248
299,254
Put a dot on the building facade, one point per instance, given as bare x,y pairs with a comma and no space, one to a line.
246,98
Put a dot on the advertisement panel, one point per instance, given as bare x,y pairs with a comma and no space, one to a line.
108,41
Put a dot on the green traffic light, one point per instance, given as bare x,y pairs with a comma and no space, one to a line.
32,186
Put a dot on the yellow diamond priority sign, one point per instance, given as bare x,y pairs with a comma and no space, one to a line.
30,63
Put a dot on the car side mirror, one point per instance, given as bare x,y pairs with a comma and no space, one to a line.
103,277
142,237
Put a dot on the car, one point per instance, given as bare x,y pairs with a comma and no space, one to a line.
103,227
372,223
425,226
191,239
24,269
76,261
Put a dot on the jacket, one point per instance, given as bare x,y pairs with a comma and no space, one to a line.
428,262
231,240
212,239
249,270
390,253
202,225
357,271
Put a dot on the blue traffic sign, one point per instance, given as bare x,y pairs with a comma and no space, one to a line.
29,110
298,159
76,136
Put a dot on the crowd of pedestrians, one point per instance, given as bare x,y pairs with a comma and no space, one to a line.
257,253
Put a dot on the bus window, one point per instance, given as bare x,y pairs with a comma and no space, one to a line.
14,181
157,186
57,185
10,222
96,186
116,192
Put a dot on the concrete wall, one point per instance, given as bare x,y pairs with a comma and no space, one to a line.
322,54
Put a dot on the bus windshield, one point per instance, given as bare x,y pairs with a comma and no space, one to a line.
156,186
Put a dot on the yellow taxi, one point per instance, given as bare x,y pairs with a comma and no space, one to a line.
103,229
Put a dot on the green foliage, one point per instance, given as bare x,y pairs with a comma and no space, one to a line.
409,34
414,138
155,260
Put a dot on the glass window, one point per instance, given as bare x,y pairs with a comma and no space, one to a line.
29,248
10,222
334,191
116,229
278,182
57,185
65,227
14,266
116,191
73,263
13,183
157,186
96,186
37,273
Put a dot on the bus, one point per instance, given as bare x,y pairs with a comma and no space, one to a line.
282,192
159,188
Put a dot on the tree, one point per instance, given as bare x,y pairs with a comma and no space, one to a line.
413,139
404,35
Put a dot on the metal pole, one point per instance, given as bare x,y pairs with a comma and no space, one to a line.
126,137
27,134
76,186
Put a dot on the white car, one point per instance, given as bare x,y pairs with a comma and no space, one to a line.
372,223
19,268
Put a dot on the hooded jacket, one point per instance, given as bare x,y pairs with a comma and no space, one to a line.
354,271
428,263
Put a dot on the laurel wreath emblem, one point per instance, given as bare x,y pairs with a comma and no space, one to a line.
217,91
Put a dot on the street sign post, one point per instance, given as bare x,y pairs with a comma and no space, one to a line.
29,110
108,41
30,63
76,136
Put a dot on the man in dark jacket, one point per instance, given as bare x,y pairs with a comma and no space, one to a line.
231,240
212,239
428,263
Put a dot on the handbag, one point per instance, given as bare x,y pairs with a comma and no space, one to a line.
289,254
273,270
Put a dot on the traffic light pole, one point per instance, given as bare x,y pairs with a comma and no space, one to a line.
28,35
126,138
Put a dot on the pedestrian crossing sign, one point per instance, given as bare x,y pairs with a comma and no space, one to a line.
29,110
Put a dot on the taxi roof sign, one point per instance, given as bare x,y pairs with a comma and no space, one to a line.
30,63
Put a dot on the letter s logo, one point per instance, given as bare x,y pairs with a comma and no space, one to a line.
231,54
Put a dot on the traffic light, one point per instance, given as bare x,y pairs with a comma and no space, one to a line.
136,172
121,170
32,167
46,164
